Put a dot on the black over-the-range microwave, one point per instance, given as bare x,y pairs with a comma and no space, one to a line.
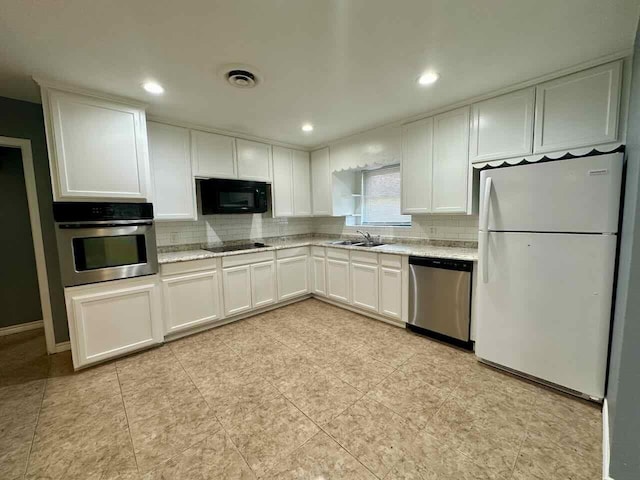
233,196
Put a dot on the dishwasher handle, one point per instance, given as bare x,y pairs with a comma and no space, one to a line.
443,263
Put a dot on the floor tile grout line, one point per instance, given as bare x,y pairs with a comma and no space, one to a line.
35,427
226,432
126,415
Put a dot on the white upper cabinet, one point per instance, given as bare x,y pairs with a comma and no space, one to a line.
321,182
173,185
291,183
301,183
213,155
254,160
282,188
417,155
578,110
450,162
97,146
502,127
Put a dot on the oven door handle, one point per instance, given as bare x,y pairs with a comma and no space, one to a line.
103,225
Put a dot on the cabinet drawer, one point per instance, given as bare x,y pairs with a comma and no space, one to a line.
246,258
318,251
292,252
388,260
190,266
338,253
364,257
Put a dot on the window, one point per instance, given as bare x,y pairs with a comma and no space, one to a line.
381,197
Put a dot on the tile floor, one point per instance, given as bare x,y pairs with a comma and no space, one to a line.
308,391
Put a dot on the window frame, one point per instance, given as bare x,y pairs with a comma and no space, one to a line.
363,202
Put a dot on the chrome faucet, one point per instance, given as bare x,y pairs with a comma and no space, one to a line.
366,235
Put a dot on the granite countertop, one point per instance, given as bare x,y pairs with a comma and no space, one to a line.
417,250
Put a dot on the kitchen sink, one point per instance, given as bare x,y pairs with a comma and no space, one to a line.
356,244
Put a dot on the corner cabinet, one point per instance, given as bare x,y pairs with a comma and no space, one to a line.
97,146
173,183
293,272
578,110
110,319
291,183
321,183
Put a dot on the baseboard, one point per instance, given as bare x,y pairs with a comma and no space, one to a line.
63,347
605,441
22,327
395,323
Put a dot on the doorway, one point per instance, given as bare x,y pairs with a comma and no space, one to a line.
24,288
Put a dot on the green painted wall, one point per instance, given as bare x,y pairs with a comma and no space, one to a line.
19,292
25,120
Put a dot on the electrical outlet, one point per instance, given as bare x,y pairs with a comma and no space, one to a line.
174,237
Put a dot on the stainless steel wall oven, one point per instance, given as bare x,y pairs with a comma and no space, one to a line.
98,242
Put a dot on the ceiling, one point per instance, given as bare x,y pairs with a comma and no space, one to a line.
343,65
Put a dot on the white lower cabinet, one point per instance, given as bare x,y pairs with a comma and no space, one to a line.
364,285
236,285
190,299
293,273
338,279
391,292
318,272
110,319
263,291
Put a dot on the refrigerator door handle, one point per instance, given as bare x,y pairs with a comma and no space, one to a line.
483,240
484,215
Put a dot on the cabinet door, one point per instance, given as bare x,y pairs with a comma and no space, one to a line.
254,160
578,110
391,292
301,183
338,279
417,155
173,185
282,189
364,286
110,319
502,127
98,148
321,182
319,285
213,155
293,277
236,285
263,284
190,300
450,161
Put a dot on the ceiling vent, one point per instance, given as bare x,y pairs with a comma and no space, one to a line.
240,75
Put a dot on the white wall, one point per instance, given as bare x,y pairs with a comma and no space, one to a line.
423,227
223,228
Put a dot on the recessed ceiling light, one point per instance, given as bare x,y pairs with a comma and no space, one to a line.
307,127
153,87
428,78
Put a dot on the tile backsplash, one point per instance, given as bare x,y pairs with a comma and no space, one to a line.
213,229
423,227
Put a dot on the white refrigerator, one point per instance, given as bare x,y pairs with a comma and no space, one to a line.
547,243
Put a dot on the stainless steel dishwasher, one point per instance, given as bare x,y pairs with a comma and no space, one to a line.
440,299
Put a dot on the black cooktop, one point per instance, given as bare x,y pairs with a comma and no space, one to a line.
233,248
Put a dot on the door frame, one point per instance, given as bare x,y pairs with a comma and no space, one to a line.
24,145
